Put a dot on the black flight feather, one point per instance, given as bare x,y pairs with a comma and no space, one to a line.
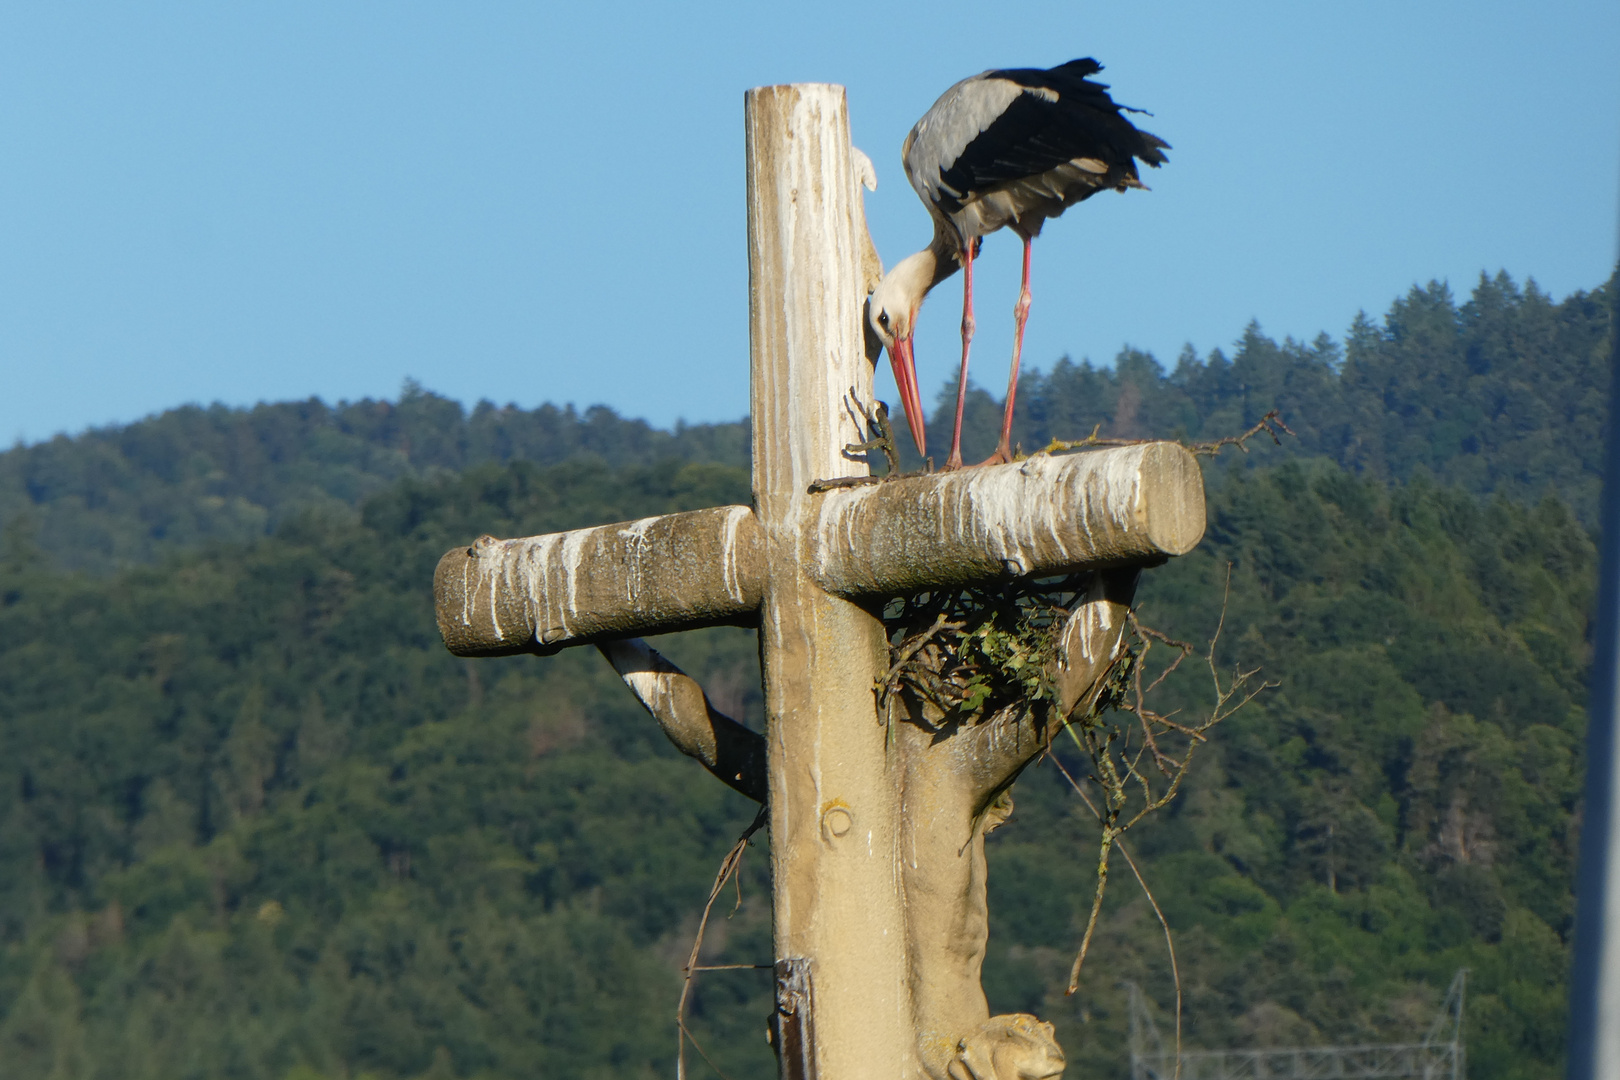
1034,134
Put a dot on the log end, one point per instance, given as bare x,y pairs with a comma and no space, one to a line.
540,594
1173,497
468,627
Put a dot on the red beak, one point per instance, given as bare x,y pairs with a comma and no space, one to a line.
905,377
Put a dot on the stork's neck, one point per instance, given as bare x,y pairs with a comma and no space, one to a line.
915,275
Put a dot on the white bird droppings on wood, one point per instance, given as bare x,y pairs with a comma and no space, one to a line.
1043,515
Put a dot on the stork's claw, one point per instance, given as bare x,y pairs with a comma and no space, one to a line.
1000,457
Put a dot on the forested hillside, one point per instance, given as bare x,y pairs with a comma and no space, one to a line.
123,496
256,823
1504,393
257,818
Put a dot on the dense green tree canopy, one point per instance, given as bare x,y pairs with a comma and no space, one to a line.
1505,393
255,822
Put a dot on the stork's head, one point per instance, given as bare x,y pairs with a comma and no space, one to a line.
892,311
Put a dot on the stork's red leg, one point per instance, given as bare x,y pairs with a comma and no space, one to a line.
1020,317
955,460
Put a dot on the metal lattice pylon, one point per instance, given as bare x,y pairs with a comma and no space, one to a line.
1440,1056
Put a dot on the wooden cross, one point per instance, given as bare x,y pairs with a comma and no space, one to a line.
876,849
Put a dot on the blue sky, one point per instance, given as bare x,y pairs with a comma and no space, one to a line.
544,202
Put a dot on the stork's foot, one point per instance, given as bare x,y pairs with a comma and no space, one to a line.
1002,456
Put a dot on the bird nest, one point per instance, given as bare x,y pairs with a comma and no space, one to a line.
963,656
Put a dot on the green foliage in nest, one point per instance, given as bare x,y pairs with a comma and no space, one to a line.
969,653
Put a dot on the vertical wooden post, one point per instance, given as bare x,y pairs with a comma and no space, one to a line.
844,1008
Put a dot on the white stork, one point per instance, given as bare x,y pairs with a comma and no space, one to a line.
1010,147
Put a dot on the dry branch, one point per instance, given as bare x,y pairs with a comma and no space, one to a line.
1164,924
1271,424
1117,765
728,869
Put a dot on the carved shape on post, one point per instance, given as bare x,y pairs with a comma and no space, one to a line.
1043,515
1012,1047
652,576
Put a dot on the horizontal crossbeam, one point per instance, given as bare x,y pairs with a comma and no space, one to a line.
653,576
1043,515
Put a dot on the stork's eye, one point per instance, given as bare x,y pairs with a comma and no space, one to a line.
883,319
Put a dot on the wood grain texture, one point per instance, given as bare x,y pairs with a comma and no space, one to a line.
652,576
1043,515
735,755
839,901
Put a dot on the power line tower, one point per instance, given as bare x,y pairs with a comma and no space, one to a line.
1440,1056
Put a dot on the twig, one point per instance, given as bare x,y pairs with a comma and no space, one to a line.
1094,439
877,419
1117,764
1271,424
728,867
910,648
1169,944
1220,625
1169,940
818,486
733,967
1109,836
680,1065
1187,649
